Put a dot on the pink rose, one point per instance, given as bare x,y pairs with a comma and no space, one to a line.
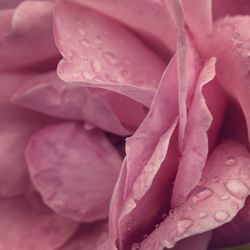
80,76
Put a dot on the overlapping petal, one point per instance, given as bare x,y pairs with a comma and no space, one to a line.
213,203
24,228
67,164
28,37
105,54
48,94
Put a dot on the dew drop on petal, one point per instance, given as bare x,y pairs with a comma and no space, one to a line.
237,188
98,40
231,161
224,197
96,65
235,205
85,43
88,75
216,179
109,57
203,195
221,215
202,215
81,31
135,246
244,173
182,226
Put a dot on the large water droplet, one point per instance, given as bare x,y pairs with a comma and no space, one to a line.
85,43
244,173
221,215
182,226
231,161
109,57
237,188
203,195
96,65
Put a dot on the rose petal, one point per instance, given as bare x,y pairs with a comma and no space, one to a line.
136,203
194,156
50,95
67,164
147,17
88,237
24,228
213,203
16,127
230,43
30,37
108,56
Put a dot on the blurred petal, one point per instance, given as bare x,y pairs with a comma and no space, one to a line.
24,228
16,127
30,37
108,56
149,168
88,237
213,203
147,17
68,164
50,95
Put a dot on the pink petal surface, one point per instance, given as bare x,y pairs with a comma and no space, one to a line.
194,156
26,229
108,56
16,127
88,237
48,94
30,37
147,17
67,165
188,69
216,201
239,227
230,44
137,203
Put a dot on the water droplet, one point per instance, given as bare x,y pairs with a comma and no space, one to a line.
231,161
126,62
224,197
167,244
157,226
96,65
244,173
202,215
221,216
204,194
109,57
88,75
235,205
85,43
125,73
216,179
237,188
182,226
98,40
145,236
81,31
88,126
164,216
135,246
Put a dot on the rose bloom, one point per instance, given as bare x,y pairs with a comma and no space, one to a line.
124,124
